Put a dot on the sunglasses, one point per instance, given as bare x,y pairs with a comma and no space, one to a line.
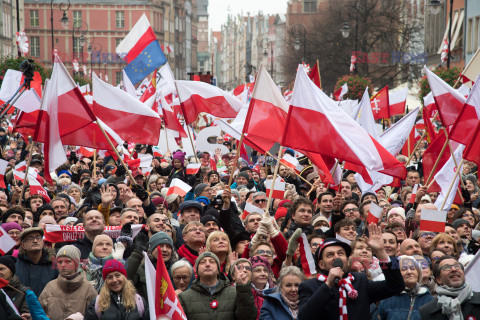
260,200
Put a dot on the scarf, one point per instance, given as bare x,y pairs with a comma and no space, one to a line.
292,306
186,253
412,292
345,288
451,300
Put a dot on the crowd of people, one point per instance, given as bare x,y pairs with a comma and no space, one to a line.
224,261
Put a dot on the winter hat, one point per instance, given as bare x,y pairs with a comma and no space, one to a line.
69,251
260,261
100,237
368,194
290,152
207,218
397,210
47,220
11,225
204,255
68,173
190,204
243,174
14,210
281,203
179,155
203,200
458,222
318,219
332,242
199,189
27,231
113,265
280,213
244,235
160,200
72,219
158,239
9,262
43,208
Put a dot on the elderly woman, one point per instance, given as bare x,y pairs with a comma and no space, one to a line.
182,275
117,298
75,191
262,279
282,302
218,243
152,183
406,305
241,265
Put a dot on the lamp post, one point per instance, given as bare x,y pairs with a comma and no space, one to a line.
299,32
435,7
64,19
77,25
97,47
346,29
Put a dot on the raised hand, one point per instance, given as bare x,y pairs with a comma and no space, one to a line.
375,241
240,277
106,196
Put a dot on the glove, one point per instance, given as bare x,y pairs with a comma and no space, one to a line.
261,234
410,214
141,241
118,250
268,224
141,193
126,234
292,242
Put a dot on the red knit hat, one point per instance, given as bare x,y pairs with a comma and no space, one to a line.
281,203
280,213
113,265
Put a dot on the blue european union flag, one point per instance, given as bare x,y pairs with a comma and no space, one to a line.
146,62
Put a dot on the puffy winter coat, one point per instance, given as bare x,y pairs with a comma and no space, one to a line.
63,297
226,303
116,311
35,276
404,306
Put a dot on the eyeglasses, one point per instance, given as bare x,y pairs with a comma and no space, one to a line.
314,245
385,206
350,210
178,278
268,253
33,238
448,267
260,200
427,234
195,230
240,268
397,229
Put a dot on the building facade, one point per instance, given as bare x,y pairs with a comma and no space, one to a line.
11,21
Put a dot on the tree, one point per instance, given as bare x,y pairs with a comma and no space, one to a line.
450,76
11,62
356,86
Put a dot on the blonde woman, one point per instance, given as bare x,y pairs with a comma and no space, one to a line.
117,299
218,243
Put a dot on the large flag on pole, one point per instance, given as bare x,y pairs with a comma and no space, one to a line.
444,178
141,51
381,104
462,128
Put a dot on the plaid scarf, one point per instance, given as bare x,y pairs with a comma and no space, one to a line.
345,288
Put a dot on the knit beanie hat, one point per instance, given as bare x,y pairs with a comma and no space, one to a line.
368,194
280,213
179,155
199,189
203,200
208,217
9,262
47,220
69,251
11,225
243,174
14,210
158,239
260,261
281,203
113,265
397,210
458,222
160,200
204,255
100,237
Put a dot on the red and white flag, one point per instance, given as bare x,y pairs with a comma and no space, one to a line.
430,104
449,101
374,213
170,116
444,178
462,128
306,257
278,188
30,100
398,100
6,242
3,169
36,188
179,187
341,137
414,194
250,208
341,92
85,152
380,104
433,220
193,168
21,166
472,150
197,96
162,299
141,162
129,118
289,161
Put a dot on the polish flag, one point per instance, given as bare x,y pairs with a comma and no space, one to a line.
21,166
193,168
397,100
141,162
472,150
365,116
433,220
3,169
86,152
315,75
156,151
36,188
444,178
374,213
18,175
289,161
299,168
341,137
449,101
250,208
170,117
462,128
414,194
6,244
430,104
179,187
306,257
149,91
380,104
431,155
129,118
341,92
197,97
128,86
278,188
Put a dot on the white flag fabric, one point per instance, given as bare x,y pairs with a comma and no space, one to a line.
6,242
150,279
365,117
472,273
444,178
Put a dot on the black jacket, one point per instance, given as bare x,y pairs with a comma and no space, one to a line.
35,276
116,311
318,301
85,247
470,308
17,298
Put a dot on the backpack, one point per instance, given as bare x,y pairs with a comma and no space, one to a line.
138,302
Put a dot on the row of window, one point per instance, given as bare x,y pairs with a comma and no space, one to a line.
473,34
77,19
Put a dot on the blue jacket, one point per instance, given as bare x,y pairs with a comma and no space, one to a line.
35,276
398,307
274,308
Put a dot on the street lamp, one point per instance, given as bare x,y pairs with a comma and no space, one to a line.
94,47
299,32
434,7
64,19
346,29
77,25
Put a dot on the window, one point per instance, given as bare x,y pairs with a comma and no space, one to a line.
117,41
77,48
469,35
310,6
118,77
119,19
77,19
34,20
476,35
35,46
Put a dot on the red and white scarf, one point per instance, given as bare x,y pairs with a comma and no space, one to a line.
345,288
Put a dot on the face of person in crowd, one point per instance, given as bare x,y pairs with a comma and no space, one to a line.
115,281
348,232
369,197
181,277
425,268
29,216
390,244
33,242
451,273
130,216
329,254
452,233
303,215
207,267
166,251
75,194
468,215
195,235
35,203
211,226
66,266
156,222
351,212
436,255
400,233
346,189
410,247
326,204
266,252
253,222
93,222
136,204
15,217
413,178
409,273
14,234
46,213
385,206
241,181
60,209
103,249
464,230
3,198
219,244
260,201
256,176
433,196
5,273
260,277
395,217
381,194
114,219
447,246
363,252
469,186
240,247
425,240
190,214
314,244
207,192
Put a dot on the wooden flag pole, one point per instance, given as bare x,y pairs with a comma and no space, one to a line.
436,163
319,76
269,202
29,160
237,155
451,186
191,142
454,159
298,175
94,163
166,136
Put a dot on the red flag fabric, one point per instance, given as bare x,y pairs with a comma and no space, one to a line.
306,257
170,117
397,101
315,75
431,133
3,169
374,213
149,91
462,128
36,188
431,155
433,220
380,104
472,150
340,92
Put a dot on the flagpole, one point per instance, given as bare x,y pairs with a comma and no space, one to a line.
29,160
94,162
420,141
275,172
298,175
189,134
166,136
436,162
451,186
319,76
237,155
453,156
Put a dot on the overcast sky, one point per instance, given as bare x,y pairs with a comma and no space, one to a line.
218,10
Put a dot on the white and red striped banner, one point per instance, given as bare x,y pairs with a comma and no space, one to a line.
250,208
414,194
3,169
22,166
193,168
278,188
6,242
433,220
55,233
289,161
179,187
374,213
306,257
